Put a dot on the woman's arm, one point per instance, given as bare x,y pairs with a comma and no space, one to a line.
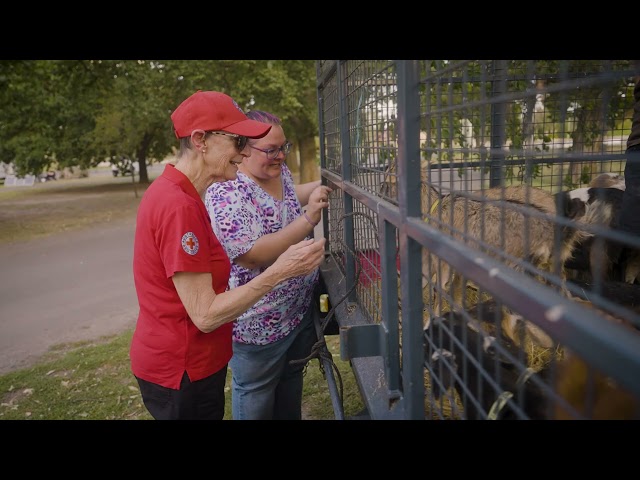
268,247
209,310
303,191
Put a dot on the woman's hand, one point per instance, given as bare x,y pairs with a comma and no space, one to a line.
299,259
318,200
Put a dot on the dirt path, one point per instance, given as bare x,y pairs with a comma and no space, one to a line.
65,288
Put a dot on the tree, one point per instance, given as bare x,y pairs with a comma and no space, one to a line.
290,93
81,112
47,113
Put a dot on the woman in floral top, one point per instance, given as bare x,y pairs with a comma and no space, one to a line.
257,217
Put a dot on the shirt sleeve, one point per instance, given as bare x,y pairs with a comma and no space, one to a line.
235,217
184,241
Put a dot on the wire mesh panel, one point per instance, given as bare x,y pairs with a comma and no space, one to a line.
472,236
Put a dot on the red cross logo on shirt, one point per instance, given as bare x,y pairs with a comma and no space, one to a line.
190,243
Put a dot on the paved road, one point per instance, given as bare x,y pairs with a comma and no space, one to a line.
66,288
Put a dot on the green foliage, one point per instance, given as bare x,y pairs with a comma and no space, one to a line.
452,92
81,112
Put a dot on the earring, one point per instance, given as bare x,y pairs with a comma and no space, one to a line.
204,150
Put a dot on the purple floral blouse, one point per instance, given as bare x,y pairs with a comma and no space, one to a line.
241,212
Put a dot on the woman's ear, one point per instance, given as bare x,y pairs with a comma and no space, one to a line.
197,139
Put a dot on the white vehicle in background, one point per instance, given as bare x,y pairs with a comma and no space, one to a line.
124,167
6,169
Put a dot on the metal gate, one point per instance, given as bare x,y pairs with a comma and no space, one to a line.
466,264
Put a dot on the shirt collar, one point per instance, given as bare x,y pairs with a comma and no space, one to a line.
176,176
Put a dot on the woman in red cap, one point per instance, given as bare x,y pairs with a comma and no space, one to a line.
182,341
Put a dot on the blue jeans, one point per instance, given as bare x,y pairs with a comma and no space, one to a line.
264,385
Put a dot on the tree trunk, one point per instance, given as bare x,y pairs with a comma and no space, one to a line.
587,134
308,160
293,161
142,158
142,169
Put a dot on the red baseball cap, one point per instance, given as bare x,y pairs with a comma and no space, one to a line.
214,111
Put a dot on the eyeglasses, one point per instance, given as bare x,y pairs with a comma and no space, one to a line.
241,142
274,152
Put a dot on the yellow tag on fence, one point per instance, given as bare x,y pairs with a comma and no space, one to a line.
324,303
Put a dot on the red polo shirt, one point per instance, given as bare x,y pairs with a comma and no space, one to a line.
173,234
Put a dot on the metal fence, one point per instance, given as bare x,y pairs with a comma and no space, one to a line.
466,281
